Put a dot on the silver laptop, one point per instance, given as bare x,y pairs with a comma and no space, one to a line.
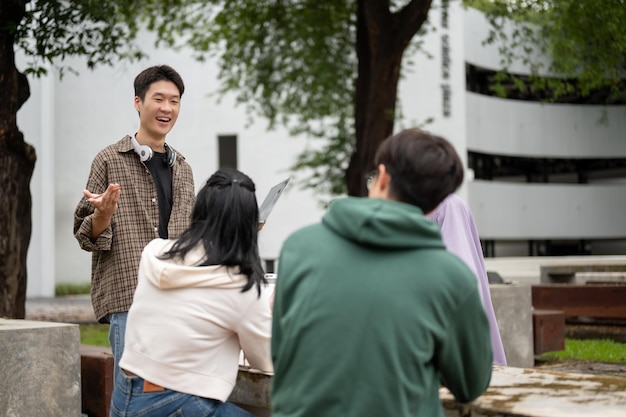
271,199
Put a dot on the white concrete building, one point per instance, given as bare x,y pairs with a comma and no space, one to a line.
560,187
70,120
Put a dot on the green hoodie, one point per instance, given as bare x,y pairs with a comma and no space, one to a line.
372,314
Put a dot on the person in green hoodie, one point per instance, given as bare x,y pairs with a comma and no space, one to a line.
372,315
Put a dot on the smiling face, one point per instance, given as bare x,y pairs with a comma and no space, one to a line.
158,111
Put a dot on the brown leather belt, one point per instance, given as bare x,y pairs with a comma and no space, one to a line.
147,385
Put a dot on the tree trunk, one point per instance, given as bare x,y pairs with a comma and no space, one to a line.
17,161
382,38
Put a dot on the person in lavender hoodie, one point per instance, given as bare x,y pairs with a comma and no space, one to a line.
454,218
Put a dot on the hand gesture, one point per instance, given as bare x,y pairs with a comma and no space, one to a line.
104,204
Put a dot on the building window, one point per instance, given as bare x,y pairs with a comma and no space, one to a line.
227,145
270,266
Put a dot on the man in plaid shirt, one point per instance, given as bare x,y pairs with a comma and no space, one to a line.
138,189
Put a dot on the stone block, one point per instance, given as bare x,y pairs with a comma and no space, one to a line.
40,369
512,305
253,392
512,392
515,392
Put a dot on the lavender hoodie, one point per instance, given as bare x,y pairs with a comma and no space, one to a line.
460,236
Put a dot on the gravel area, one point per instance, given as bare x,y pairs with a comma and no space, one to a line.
585,367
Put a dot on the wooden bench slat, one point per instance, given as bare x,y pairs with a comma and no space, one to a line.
96,366
548,331
589,300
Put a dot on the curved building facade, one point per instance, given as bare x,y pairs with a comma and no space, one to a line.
549,179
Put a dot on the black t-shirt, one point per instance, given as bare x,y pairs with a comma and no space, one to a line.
162,175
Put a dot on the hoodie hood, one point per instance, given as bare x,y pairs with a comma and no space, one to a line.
172,273
382,223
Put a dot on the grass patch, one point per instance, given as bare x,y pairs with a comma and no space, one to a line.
601,350
71,289
94,334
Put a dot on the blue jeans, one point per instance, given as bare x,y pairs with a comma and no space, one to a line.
129,400
117,330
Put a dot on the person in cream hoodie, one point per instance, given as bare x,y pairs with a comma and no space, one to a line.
200,300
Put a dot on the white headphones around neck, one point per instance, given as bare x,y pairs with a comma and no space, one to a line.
145,152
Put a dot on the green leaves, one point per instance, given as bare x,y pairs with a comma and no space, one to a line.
53,30
325,164
292,63
584,42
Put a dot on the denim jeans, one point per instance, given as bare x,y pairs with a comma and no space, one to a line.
117,330
129,400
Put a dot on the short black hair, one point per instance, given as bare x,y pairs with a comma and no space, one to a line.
150,75
424,168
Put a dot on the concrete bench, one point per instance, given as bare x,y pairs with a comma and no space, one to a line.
40,369
513,392
581,300
517,392
568,273
513,308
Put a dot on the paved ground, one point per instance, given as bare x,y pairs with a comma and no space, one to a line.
70,309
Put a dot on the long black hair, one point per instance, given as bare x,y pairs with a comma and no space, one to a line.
225,220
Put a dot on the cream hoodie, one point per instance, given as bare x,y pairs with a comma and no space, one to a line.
187,325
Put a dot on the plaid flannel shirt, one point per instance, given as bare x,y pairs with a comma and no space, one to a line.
117,251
